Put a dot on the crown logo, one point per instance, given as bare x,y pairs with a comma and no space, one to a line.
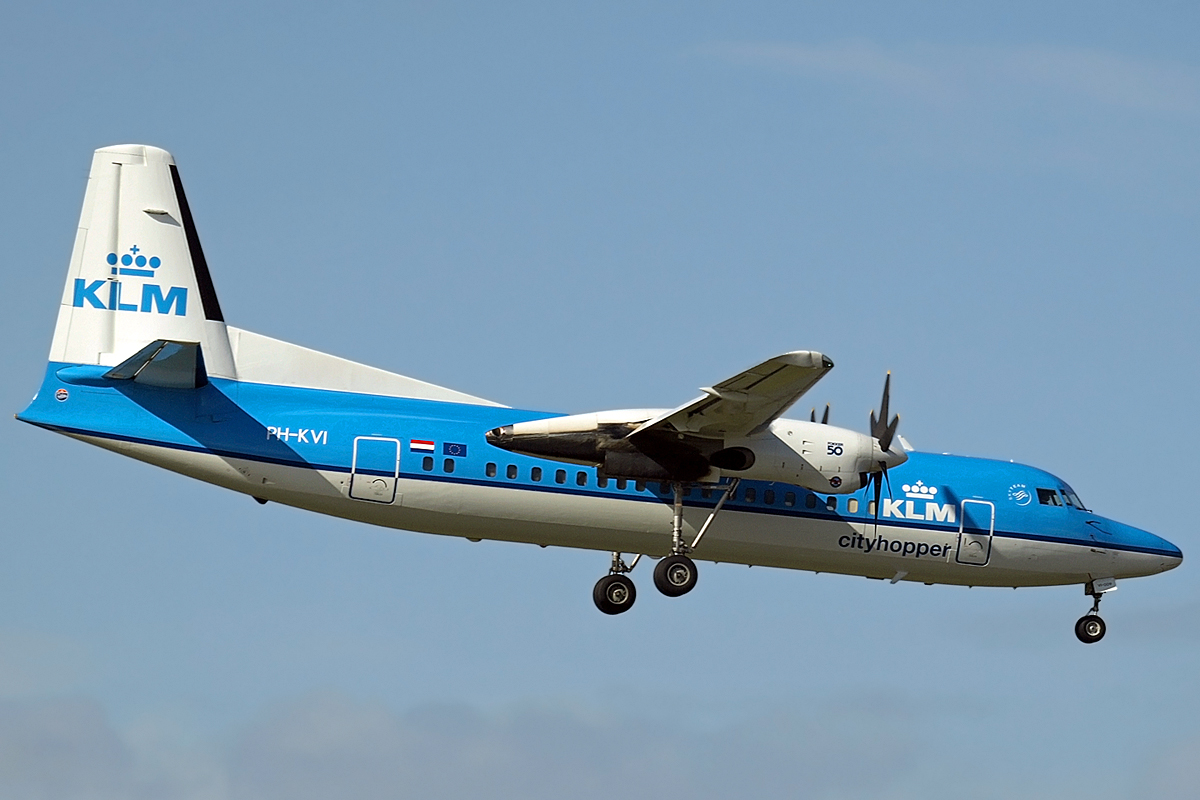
134,263
919,491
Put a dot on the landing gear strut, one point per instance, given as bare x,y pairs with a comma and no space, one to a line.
676,575
1090,628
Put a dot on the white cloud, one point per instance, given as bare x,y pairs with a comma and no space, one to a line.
327,745
936,72
61,750
39,664
1034,107
855,59
1106,78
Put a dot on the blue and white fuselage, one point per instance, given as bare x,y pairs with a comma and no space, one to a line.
289,425
982,525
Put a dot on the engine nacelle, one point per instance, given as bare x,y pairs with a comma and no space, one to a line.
822,458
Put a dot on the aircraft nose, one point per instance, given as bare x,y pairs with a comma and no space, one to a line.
1167,556
1174,557
1170,555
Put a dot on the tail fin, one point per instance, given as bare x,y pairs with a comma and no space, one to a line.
137,271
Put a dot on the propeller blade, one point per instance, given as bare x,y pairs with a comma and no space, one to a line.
877,479
825,417
881,429
887,396
813,415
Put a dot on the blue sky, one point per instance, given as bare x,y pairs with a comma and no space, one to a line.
598,207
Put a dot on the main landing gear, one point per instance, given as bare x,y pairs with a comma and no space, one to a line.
1090,628
674,576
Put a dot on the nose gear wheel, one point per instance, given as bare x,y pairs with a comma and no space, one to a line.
1090,629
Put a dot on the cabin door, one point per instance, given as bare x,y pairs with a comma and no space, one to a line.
375,468
976,524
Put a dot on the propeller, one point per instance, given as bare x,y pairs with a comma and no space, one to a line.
824,417
885,432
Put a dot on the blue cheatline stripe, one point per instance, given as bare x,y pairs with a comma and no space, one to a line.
566,489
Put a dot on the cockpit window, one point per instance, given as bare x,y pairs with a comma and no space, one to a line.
1049,497
1073,499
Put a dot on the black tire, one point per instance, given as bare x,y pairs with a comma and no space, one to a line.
614,594
675,575
1089,629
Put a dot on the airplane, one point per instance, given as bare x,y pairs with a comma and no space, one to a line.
143,363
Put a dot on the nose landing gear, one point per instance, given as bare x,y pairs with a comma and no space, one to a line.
1090,628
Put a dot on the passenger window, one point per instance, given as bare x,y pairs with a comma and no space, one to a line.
581,479
535,474
769,497
852,505
810,501
664,488
511,472
622,484
687,491
1048,497
560,476
871,508
706,493
448,465
751,495
789,499
490,469
639,486
831,504
602,482
427,463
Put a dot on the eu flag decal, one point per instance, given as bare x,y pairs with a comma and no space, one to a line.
455,450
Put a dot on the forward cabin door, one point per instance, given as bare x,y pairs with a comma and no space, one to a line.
375,469
976,524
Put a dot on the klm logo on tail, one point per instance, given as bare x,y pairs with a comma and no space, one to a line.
131,264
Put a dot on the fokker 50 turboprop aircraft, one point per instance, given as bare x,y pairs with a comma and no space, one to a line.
144,364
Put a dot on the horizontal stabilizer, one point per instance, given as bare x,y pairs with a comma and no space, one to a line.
171,365
261,359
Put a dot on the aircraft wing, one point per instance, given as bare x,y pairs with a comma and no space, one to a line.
745,403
